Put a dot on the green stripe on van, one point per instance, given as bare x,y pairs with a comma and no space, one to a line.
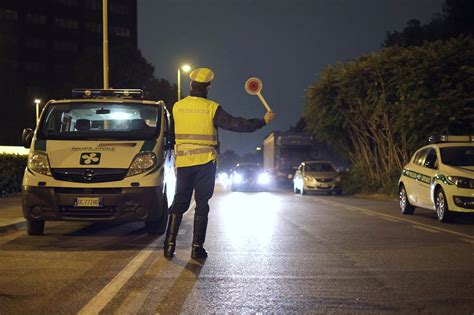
40,145
148,145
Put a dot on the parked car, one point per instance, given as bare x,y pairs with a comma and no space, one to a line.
249,176
440,176
317,176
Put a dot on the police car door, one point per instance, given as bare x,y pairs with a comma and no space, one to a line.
429,169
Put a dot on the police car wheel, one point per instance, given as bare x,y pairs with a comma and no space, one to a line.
442,212
405,205
35,227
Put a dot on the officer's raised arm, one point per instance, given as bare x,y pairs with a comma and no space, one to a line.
238,124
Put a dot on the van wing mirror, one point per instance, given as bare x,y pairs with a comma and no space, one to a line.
27,137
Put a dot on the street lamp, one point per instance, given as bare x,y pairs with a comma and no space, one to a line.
37,103
185,68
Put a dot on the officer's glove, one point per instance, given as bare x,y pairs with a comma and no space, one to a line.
269,116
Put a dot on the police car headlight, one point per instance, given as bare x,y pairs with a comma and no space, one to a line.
142,162
461,182
38,161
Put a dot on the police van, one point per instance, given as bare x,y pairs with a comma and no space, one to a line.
440,176
102,155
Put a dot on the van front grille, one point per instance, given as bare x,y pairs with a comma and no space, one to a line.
94,213
89,175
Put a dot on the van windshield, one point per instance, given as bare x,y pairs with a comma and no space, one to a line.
89,121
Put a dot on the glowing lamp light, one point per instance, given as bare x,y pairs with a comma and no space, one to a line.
186,68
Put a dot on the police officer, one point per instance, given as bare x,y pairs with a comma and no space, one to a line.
196,120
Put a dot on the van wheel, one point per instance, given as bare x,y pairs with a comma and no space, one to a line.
35,227
442,210
159,227
405,205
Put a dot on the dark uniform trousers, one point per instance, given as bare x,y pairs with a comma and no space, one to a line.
201,179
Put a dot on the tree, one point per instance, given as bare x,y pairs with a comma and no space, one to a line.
378,109
457,18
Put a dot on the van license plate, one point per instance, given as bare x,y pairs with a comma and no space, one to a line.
88,202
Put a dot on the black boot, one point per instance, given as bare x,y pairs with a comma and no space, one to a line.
171,233
199,236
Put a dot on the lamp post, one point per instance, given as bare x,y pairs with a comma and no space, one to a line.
37,103
185,68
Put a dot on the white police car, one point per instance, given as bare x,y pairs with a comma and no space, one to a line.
440,176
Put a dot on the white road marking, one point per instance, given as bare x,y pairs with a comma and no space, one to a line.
425,229
389,219
114,286
466,240
352,208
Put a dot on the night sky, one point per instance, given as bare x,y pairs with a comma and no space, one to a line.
286,43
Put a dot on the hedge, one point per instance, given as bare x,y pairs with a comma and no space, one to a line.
12,167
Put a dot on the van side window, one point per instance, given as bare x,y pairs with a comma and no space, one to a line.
420,157
431,159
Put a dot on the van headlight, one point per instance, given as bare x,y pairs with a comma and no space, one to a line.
142,162
38,161
461,182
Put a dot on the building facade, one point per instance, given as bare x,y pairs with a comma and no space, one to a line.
40,43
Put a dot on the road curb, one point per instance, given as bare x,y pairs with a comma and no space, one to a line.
13,226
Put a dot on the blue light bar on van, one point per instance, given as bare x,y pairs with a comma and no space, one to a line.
101,93
450,139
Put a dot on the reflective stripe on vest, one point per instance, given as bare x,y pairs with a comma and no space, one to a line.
195,137
195,151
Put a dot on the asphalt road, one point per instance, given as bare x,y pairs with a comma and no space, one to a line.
269,252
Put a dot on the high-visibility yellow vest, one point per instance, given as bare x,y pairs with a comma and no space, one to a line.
195,133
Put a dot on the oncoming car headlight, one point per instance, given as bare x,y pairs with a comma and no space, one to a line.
38,161
461,182
237,178
263,179
142,162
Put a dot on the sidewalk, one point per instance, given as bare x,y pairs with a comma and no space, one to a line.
11,216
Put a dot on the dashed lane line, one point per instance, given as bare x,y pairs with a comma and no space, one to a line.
383,215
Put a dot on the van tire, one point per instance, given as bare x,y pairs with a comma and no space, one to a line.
35,227
159,227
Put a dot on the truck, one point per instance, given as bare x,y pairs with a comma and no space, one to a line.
284,151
